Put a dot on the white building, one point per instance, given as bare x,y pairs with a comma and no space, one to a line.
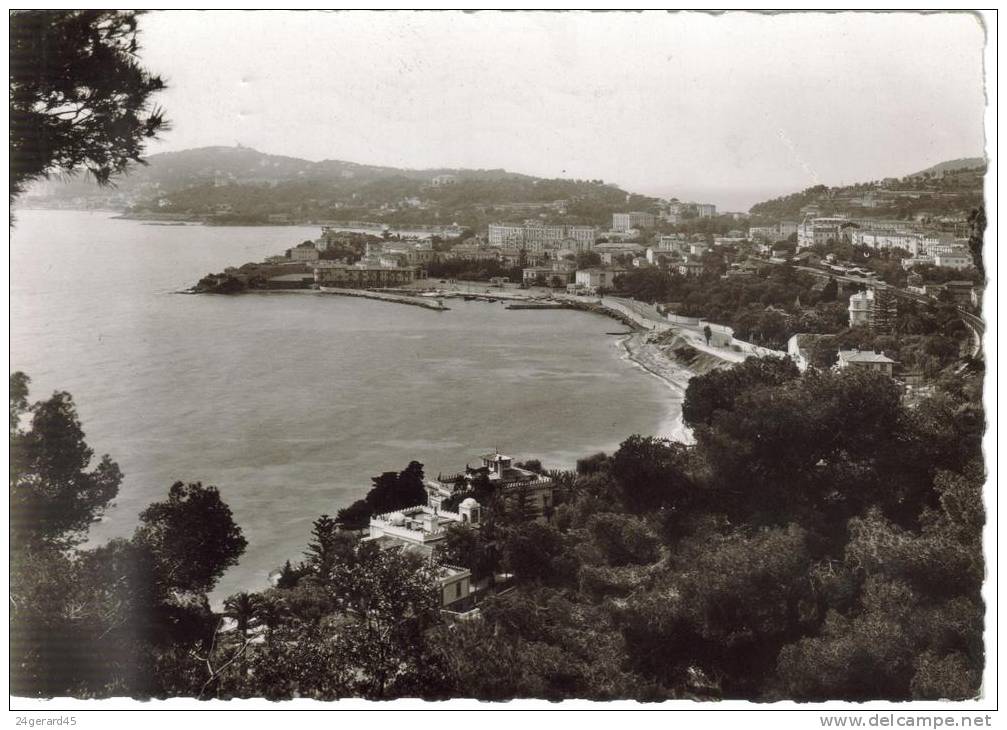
886,240
624,222
513,484
821,231
861,308
596,279
540,236
866,360
304,252
763,233
960,260
419,530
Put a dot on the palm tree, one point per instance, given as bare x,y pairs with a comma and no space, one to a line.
244,609
271,610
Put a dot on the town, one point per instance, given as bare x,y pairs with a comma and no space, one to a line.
837,286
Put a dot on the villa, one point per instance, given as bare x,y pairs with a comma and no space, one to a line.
865,360
421,528
513,483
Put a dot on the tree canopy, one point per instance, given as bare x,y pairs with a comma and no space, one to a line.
79,98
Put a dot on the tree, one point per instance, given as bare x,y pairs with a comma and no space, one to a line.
243,607
885,312
718,389
356,516
192,535
392,491
830,291
724,610
410,489
472,548
390,598
651,473
623,539
529,550
977,231
329,546
54,498
78,96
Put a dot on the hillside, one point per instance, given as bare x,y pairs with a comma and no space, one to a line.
239,184
949,189
942,168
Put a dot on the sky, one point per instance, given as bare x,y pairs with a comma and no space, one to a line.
731,109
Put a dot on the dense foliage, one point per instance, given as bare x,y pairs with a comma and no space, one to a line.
821,540
765,309
78,97
115,619
391,491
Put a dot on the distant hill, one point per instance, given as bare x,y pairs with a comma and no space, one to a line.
964,163
951,188
228,185
170,171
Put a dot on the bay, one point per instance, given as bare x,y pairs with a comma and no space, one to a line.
290,402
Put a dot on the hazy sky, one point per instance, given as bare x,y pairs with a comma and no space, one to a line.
728,108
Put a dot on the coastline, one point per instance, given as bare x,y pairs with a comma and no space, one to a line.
649,357
667,354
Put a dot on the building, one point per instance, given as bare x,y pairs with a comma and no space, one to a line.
865,360
960,260
290,281
962,292
362,276
304,252
886,240
861,308
530,491
821,231
473,250
874,308
423,525
914,261
540,236
787,229
620,248
624,222
763,233
690,268
419,530
706,210
676,243
440,181
808,258
597,279
557,274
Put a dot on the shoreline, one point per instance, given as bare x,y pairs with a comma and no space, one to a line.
649,357
640,346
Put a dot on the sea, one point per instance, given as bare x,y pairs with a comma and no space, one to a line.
290,402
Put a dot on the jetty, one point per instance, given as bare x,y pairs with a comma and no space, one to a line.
413,300
540,305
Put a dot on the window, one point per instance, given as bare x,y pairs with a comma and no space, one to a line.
458,589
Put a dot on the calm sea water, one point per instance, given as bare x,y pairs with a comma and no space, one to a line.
289,403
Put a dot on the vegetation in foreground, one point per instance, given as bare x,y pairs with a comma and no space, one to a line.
822,540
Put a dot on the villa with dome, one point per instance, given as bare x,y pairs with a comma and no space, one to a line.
511,482
420,528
